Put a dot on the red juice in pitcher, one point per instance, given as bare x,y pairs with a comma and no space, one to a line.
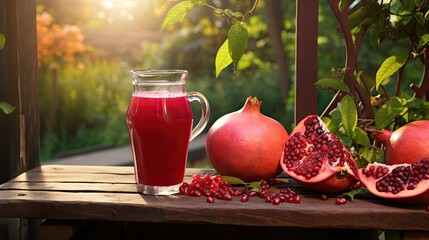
160,127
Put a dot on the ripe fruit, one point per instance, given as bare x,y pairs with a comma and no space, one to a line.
340,201
407,183
407,144
317,159
246,144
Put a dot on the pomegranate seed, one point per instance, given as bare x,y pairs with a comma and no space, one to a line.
244,198
297,199
427,208
276,201
253,193
324,197
196,193
340,201
238,192
227,197
210,200
263,193
268,198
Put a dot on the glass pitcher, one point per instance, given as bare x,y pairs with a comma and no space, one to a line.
160,125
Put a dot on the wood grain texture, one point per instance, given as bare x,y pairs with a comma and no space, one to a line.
109,193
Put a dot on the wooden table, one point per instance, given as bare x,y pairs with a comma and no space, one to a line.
108,196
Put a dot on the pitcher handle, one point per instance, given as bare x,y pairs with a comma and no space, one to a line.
205,113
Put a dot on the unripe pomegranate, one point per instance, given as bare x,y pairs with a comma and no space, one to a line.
407,144
246,144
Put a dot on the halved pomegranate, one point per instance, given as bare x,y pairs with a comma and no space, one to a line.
406,183
317,159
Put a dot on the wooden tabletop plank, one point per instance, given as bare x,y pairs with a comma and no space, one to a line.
109,193
311,212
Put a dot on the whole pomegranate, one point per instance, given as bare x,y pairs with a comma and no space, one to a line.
246,144
317,159
406,183
407,144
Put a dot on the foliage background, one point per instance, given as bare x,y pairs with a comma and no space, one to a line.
83,98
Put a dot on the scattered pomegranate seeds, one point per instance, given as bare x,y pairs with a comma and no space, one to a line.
324,197
216,187
210,199
340,201
244,198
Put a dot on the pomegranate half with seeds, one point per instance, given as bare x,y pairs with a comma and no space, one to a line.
406,183
317,159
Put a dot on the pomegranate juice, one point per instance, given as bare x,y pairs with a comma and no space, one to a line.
160,127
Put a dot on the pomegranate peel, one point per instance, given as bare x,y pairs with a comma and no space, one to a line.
407,144
317,159
405,183
246,144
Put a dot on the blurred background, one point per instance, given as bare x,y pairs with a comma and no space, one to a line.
86,49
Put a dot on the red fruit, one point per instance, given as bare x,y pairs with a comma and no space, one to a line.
317,159
340,201
407,144
246,144
406,183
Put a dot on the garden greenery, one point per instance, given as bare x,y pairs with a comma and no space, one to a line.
362,103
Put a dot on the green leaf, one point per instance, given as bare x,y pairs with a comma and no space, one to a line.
355,192
2,40
333,83
356,17
424,39
6,107
254,186
223,59
348,114
233,180
420,18
360,137
389,111
177,13
391,65
342,5
237,42
367,154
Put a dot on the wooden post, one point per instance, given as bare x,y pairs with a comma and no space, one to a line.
19,131
306,58
19,138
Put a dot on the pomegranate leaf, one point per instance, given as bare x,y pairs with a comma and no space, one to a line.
223,58
332,83
361,137
351,194
349,115
237,42
389,111
356,18
255,186
233,180
424,39
177,13
2,40
6,107
390,66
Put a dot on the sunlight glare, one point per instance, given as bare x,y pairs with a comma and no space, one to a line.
108,4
